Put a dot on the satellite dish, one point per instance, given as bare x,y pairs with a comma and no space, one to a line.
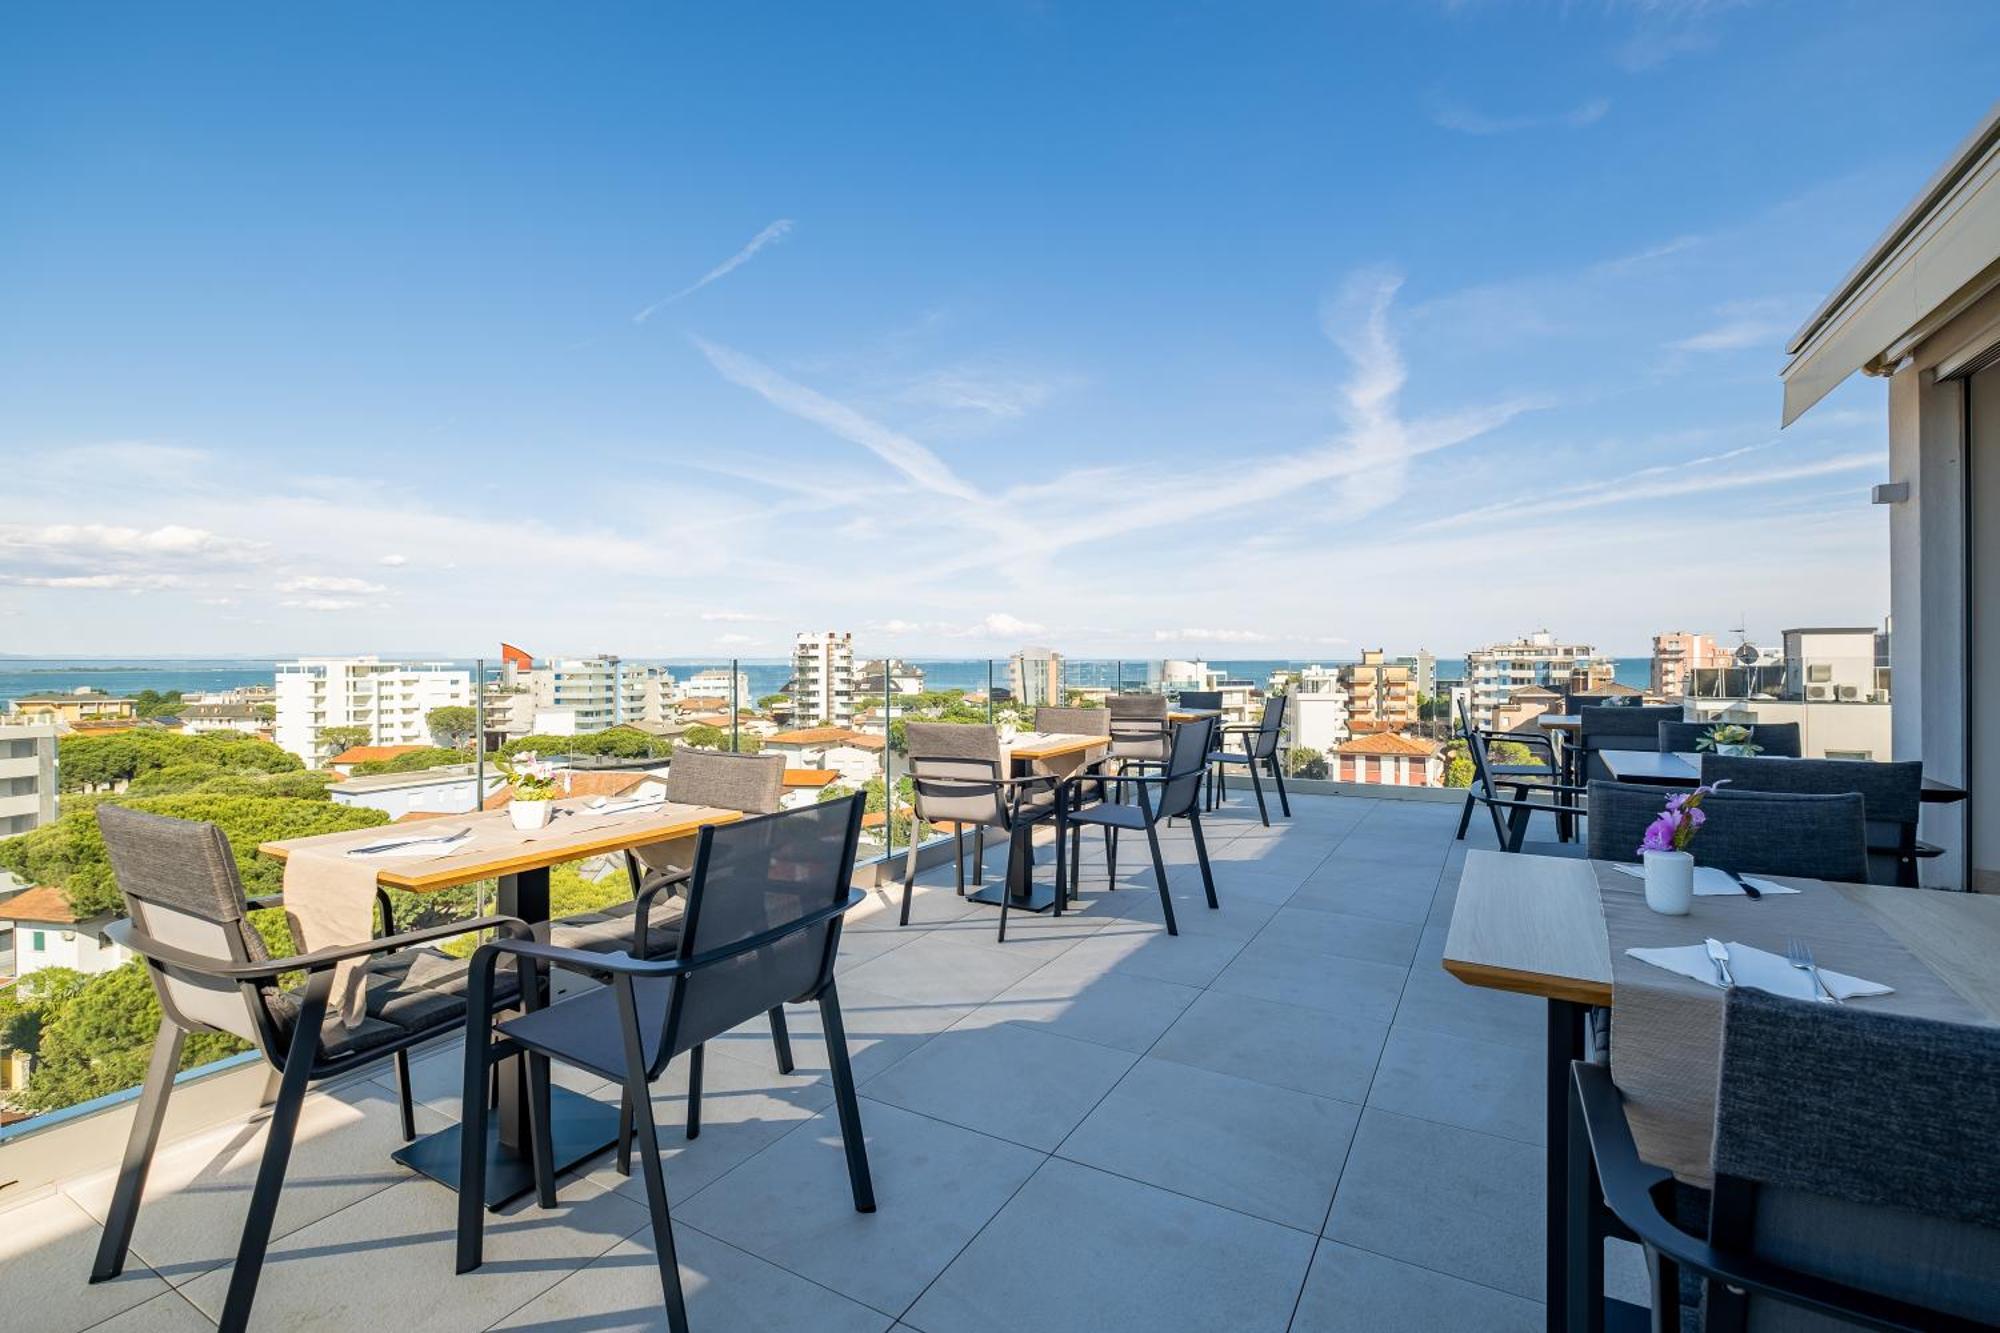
1746,654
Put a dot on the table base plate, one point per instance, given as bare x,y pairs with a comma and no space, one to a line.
1041,897
580,1126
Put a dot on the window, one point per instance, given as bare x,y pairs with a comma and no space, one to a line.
1850,754
38,940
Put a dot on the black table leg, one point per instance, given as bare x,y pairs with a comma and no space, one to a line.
581,1127
1565,1043
1023,894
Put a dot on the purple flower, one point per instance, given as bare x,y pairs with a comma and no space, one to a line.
1660,835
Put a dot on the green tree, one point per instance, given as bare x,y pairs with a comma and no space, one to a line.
771,701
105,763
452,726
1457,766
1306,762
701,736
92,1035
414,761
152,703
337,739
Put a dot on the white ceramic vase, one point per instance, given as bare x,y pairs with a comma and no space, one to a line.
1670,882
531,815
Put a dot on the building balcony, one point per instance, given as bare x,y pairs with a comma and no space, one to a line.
1286,1117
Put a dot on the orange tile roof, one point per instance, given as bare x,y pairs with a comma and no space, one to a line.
709,720
40,903
826,736
1384,742
706,703
810,777
368,754
615,782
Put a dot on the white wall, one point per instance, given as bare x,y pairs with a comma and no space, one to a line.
38,945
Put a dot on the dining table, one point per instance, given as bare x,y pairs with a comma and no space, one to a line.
1544,926
520,861
1682,768
1051,754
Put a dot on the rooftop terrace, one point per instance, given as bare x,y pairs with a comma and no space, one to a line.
1287,1117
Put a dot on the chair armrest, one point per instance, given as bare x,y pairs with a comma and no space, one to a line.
1628,1184
665,880
123,932
268,902
1552,807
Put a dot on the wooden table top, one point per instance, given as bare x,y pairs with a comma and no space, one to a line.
1535,925
1559,722
1055,745
1682,768
508,855
1192,714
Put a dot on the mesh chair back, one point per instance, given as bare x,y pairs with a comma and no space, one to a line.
1187,763
1850,1127
1891,792
181,887
1073,721
752,783
753,877
955,771
1264,744
1776,739
1619,727
1200,699
1138,726
1751,833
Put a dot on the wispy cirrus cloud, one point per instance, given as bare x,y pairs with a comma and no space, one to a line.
1451,114
329,583
777,231
1742,325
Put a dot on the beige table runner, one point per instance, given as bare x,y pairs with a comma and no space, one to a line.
1666,1029
330,895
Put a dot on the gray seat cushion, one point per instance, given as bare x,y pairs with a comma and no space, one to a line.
411,993
609,930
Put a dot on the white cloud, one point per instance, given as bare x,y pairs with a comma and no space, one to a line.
1453,115
734,617
736,640
986,393
1002,625
122,582
775,232
328,583
171,540
1212,636
395,561
322,603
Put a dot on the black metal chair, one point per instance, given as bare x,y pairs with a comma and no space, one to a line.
955,771
1774,739
764,907
1260,747
1532,742
1748,832
1199,701
1513,813
1846,1193
1139,727
1891,792
1617,727
189,921
1172,793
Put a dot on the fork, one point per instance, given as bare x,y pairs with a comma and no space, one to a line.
1799,954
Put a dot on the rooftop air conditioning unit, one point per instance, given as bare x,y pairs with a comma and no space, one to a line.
1818,692
1849,692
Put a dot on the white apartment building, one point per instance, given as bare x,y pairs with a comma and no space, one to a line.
1832,682
388,699
822,687
1677,655
1318,711
1496,671
716,683
599,692
27,776
1035,676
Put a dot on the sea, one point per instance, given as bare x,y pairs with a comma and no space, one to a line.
36,675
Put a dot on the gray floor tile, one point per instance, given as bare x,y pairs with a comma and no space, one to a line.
1396,899
1444,1198
936,1185
1354,1291
1271,1152
1343,934
1013,1082
46,1249
1117,1010
1308,1050
881,1029
933,970
1482,1085
1081,1250
170,1313
724,1289
1349,986
1143,948
1436,999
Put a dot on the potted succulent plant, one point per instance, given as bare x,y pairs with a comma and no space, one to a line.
1728,738
1669,864
535,787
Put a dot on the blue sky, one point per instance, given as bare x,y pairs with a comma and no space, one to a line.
1241,330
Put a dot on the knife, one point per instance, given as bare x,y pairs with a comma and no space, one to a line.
1718,953
1744,884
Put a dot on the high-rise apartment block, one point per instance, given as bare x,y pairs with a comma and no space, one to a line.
822,685
599,692
1317,714
388,700
1035,676
27,776
1381,695
1677,655
1493,673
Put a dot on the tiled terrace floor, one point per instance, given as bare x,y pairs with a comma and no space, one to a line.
1288,1117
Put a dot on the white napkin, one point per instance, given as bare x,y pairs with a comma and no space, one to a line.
1755,967
432,845
1712,883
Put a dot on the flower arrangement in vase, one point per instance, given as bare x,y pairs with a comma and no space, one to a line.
1664,850
535,787
1728,738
